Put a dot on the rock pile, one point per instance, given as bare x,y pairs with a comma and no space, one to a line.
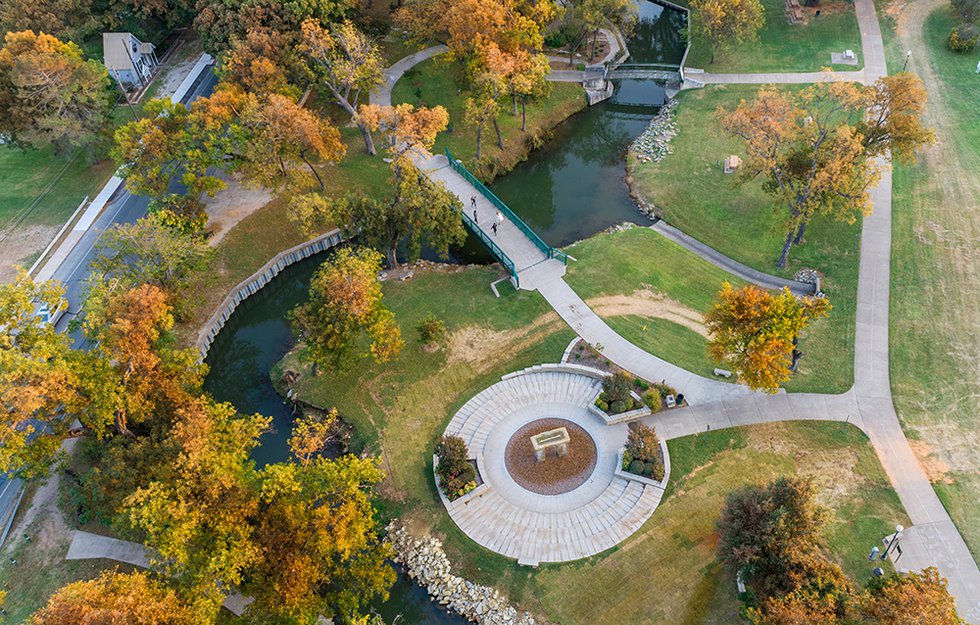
808,276
653,144
427,563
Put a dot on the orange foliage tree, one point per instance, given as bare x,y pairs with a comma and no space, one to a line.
113,599
756,331
815,149
346,301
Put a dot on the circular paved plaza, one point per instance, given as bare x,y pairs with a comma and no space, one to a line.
564,507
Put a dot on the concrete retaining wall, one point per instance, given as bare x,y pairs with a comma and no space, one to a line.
256,281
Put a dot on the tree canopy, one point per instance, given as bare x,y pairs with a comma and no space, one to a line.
728,22
49,93
756,332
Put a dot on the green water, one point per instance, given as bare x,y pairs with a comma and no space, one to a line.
568,190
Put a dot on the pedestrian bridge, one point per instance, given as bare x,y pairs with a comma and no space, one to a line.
645,71
514,244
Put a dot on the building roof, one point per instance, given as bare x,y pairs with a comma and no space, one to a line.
118,50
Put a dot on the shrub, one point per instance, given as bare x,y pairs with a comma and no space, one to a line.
617,387
642,443
963,38
641,383
636,467
618,407
657,470
654,400
455,471
665,389
627,460
601,405
431,329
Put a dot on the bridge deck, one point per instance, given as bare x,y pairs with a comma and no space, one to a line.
528,259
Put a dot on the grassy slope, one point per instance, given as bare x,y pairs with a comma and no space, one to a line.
436,82
622,262
783,47
667,573
935,337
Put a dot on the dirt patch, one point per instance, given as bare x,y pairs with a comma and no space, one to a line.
936,470
22,245
648,303
482,348
42,519
231,205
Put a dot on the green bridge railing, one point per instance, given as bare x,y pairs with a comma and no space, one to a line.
503,258
546,249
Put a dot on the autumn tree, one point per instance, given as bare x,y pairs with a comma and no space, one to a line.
37,378
479,110
49,93
197,521
132,374
345,303
773,534
727,22
220,22
815,149
911,599
170,143
528,80
319,551
348,63
147,251
266,61
282,136
311,434
599,14
756,332
112,599
416,210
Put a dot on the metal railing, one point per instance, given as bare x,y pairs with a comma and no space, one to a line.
546,249
504,260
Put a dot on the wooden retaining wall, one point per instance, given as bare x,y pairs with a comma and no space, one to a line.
256,281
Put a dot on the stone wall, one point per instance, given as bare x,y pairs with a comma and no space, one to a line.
256,281
428,565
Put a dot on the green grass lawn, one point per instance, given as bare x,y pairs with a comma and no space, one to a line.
436,82
784,47
692,193
935,291
666,573
39,188
621,263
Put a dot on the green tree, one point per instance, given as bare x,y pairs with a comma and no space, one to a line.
346,302
599,14
49,93
774,535
727,22
37,378
221,22
73,20
169,142
112,599
148,251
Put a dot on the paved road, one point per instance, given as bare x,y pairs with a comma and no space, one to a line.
123,207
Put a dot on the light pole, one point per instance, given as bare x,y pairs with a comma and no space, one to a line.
908,55
892,542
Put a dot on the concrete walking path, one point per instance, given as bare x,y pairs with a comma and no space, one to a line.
933,539
730,265
382,95
87,546
779,78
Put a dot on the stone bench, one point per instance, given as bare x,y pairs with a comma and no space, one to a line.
723,373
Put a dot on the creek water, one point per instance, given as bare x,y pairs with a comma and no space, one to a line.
568,190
